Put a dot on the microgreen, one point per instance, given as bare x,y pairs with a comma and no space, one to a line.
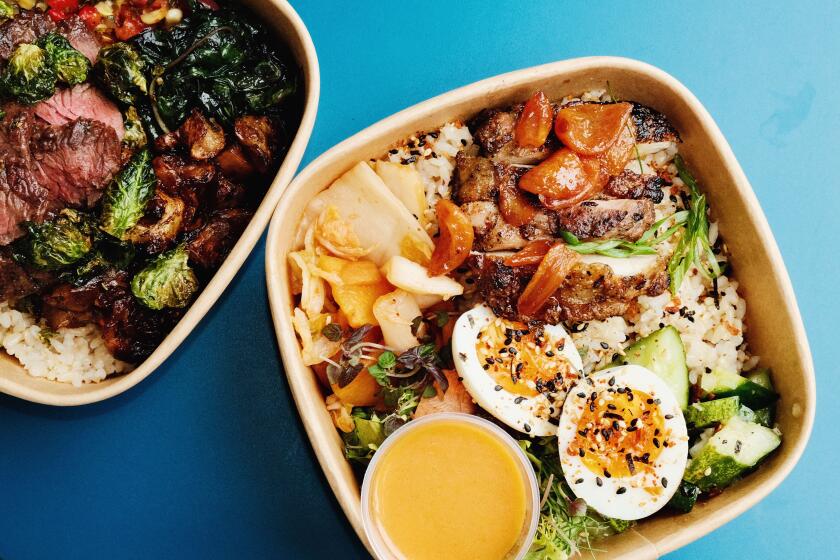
619,248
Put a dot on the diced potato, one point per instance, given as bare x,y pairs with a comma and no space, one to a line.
395,312
405,182
379,219
415,278
362,391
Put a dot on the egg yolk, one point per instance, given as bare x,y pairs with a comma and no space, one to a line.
620,432
522,360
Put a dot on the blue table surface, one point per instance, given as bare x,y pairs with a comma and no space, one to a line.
208,459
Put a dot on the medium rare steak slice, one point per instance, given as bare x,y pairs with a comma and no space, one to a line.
45,168
80,37
81,101
76,161
25,28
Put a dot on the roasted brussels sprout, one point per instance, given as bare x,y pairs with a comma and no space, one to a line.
28,77
7,10
120,70
168,281
70,65
55,244
135,135
125,200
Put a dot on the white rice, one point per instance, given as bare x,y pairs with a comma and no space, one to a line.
432,154
712,332
74,356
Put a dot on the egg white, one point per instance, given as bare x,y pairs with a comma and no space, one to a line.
529,415
635,502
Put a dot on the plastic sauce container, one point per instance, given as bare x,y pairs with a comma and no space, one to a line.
450,486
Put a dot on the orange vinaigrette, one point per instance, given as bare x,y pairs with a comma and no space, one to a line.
449,489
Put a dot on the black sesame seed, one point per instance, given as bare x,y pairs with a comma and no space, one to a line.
605,346
581,452
664,482
621,490
578,481
668,416
598,481
607,473
581,395
497,388
656,443
550,354
518,400
527,428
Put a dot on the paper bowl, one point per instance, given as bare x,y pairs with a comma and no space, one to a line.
775,326
277,15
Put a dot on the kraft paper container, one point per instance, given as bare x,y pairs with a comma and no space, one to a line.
775,327
281,17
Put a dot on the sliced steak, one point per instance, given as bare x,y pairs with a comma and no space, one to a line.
652,126
76,161
81,101
80,37
25,28
44,168
608,219
630,184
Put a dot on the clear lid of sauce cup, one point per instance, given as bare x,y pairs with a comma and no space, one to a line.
380,542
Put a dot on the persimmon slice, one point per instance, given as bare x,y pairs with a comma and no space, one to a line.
550,275
622,151
534,124
531,254
561,176
515,207
590,128
455,241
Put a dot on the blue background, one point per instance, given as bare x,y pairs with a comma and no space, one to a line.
207,457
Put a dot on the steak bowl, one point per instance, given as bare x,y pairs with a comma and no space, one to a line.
280,19
773,314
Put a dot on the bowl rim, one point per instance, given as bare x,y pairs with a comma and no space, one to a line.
278,300
307,59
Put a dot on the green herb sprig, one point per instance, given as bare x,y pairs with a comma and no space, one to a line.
621,249
693,248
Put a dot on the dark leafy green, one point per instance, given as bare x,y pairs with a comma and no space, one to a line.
168,281
28,76
71,66
125,200
121,71
135,135
220,62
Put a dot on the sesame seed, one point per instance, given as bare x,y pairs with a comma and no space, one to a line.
621,490
578,481
497,388
598,481
664,482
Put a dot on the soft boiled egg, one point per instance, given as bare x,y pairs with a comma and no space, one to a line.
518,373
623,442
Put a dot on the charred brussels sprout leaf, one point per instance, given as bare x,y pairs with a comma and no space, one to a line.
52,245
7,11
126,197
135,135
28,77
168,281
108,253
70,65
120,70
221,63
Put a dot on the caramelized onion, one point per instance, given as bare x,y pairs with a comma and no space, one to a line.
550,275
456,238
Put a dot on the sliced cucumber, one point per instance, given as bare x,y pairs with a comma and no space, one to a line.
662,352
732,451
685,498
765,416
704,414
721,383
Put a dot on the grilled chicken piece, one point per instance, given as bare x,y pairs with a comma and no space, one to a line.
475,179
608,219
493,132
593,290
630,184
652,126
492,233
